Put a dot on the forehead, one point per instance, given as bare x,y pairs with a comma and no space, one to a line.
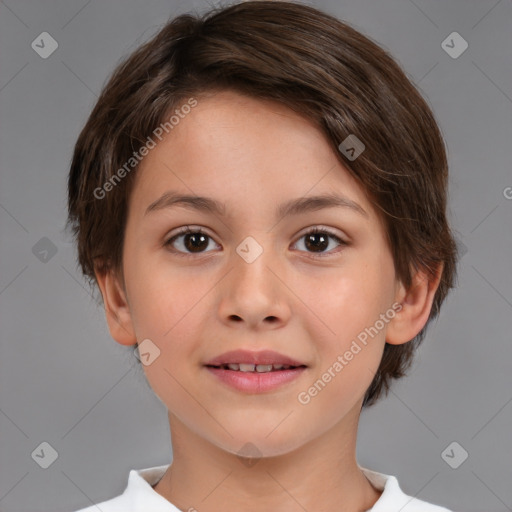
244,151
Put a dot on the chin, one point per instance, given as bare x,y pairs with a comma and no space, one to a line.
257,445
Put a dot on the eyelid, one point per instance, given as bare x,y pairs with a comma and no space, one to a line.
183,230
307,231
318,228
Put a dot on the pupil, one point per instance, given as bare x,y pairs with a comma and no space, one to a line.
323,244
194,246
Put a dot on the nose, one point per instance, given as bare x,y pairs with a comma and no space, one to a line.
253,295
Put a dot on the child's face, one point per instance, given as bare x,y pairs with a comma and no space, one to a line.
254,156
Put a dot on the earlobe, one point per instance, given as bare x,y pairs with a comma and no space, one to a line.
117,309
416,306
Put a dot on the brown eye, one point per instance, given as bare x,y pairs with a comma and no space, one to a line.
189,241
317,241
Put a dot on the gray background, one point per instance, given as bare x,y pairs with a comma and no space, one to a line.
64,381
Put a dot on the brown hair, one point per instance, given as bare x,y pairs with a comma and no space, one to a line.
316,65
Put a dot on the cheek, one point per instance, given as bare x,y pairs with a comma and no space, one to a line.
349,344
342,303
161,295
168,307
350,337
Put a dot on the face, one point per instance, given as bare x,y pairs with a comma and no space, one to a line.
252,279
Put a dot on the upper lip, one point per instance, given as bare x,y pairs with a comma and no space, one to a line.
248,357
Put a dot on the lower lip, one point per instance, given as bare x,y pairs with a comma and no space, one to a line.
254,382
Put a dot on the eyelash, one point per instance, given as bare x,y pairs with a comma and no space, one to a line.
187,230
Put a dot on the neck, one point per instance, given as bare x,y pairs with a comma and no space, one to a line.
321,475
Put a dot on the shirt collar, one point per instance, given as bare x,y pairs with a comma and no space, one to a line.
141,482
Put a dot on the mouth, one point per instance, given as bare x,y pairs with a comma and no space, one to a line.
255,368
254,372
250,361
255,379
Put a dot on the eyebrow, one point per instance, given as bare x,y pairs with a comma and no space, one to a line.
293,207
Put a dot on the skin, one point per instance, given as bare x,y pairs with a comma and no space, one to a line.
253,155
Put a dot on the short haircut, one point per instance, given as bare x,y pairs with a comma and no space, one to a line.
318,66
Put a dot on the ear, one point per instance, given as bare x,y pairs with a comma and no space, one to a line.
416,305
117,309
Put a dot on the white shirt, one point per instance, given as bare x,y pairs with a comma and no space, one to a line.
139,496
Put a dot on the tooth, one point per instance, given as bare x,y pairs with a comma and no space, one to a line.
233,366
263,368
247,367
278,366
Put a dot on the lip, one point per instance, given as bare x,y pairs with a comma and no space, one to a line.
249,357
255,382
249,382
